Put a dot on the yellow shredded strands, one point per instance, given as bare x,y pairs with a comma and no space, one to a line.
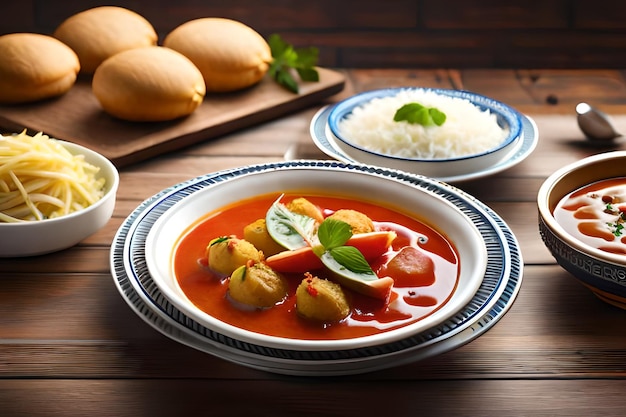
40,179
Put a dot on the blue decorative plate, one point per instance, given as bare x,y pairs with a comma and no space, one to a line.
324,140
496,294
507,117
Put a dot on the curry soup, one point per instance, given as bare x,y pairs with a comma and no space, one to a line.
411,298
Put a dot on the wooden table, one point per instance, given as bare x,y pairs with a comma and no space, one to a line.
70,346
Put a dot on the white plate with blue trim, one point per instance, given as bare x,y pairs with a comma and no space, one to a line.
494,297
325,141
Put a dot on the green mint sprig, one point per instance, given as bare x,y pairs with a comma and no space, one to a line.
286,59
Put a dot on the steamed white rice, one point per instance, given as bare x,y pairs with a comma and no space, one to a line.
467,130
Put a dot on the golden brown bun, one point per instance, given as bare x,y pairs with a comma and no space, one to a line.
230,55
34,67
99,33
148,84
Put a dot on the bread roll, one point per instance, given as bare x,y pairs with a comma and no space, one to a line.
148,84
99,33
34,67
230,55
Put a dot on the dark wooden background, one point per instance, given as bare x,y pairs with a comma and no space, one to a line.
393,33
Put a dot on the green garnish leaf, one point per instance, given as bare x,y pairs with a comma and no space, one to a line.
617,228
290,230
416,113
351,258
437,116
328,242
286,59
348,263
333,233
219,240
413,113
286,80
308,74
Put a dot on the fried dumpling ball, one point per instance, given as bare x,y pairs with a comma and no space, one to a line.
321,300
225,254
257,234
303,206
257,285
359,222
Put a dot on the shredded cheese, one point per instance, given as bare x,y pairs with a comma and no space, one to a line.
40,179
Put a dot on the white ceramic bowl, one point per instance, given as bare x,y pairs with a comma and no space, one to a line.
51,235
438,212
507,118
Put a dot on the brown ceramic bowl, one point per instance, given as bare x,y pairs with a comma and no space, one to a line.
602,272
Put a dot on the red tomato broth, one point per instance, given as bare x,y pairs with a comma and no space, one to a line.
584,215
369,316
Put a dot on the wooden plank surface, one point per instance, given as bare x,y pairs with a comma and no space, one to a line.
77,117
313,398
403,33
70,346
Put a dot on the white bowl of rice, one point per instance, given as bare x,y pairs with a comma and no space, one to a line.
475,133
53,194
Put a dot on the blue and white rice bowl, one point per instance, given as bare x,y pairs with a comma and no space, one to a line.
437,166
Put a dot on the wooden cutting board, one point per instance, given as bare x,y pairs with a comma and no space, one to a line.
77,117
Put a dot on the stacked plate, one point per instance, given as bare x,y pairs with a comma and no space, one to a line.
521,136
484,295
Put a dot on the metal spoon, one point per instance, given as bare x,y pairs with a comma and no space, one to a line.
595,124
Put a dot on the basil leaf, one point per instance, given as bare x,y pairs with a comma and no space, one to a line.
286,58
416,113
407,112
333,233
421,117
438,117
286,80
307,57
308,74
277,45
290,230
349,263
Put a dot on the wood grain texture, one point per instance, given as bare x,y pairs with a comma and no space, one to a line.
71,346
78,326
78,117
337,398
400,33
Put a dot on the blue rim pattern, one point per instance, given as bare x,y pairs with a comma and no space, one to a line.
495,295
506,115
530,137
